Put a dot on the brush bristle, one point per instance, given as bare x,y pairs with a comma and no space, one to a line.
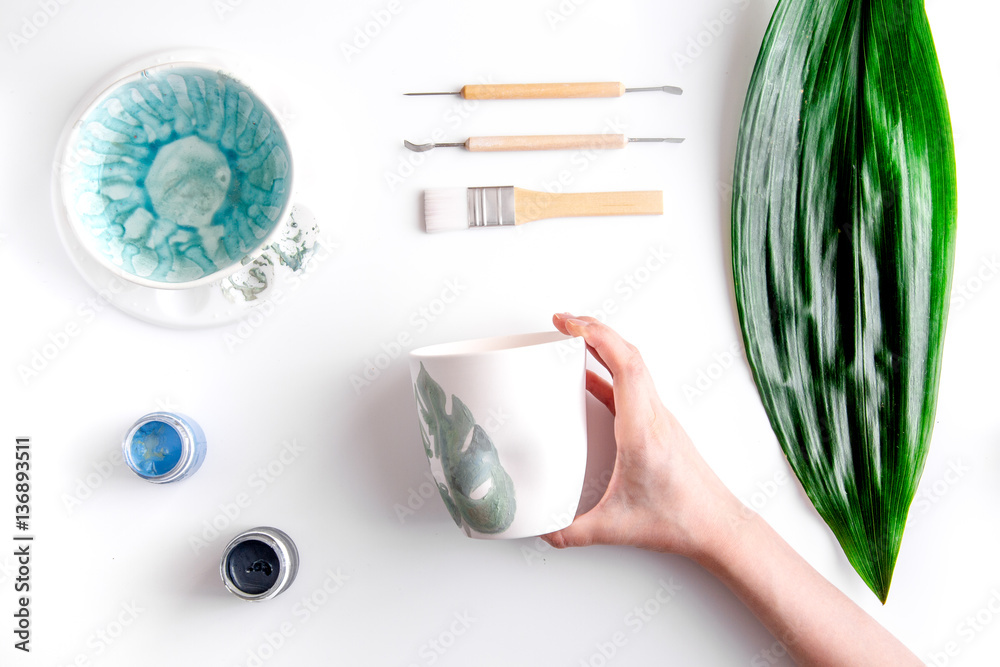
446,209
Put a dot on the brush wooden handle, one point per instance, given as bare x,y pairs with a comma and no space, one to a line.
531,205
542,91
547,142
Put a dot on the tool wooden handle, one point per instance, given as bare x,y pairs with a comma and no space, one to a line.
542,91
546,142
531,205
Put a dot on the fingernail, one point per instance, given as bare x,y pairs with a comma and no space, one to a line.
564,316
577,323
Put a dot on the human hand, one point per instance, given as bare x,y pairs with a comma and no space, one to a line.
662,495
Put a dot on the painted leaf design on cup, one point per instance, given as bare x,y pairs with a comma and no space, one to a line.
477,491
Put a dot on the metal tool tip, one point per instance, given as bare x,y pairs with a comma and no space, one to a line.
666,140
673,90
418,148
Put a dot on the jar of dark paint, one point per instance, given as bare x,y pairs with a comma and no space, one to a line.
259,564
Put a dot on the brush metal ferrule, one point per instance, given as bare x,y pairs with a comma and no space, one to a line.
491,207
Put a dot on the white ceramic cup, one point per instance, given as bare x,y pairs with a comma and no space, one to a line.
504,425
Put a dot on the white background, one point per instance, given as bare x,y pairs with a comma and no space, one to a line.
114,557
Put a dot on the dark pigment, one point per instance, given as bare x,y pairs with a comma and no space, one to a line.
253,566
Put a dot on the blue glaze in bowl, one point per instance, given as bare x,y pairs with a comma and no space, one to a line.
176,175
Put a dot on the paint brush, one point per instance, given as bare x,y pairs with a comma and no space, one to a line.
449,209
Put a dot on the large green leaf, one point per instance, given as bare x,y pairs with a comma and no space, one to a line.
843,242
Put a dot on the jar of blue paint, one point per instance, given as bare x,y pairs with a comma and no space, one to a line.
164,447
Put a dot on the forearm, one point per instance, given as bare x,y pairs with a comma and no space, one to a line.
664,496
816,622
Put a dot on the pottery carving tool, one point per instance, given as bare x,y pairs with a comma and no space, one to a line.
549,91
460,208
541,142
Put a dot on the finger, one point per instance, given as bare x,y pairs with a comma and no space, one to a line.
571,536
632,381
601,390
586,529
559,320
597,356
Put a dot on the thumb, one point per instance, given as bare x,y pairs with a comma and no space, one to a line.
583,532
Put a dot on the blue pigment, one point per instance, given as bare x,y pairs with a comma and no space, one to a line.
181,173
155,449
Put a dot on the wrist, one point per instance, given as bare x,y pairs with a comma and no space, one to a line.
723,525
